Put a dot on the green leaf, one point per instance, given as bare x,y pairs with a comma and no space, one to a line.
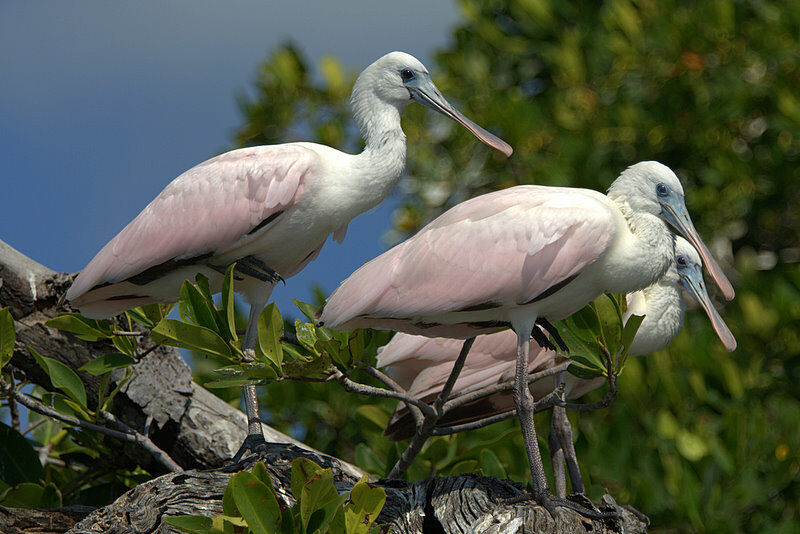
365,504
584,372
260,472
81,327
256,502
151,314
368,460
372,415
7,336
355,345
192,337
62,377
306,334
125,344
18,461
629,332
270,330
198,307
302,470
227,302
491,465
309,310
228,504
191,524
29,495
107,362
230,382
609,317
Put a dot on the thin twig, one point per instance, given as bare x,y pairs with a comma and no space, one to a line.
425,430
416,413
364,389
461,400
130,436
548,401
611,392
34,426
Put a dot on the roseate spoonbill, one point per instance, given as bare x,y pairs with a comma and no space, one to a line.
510,257
422,365
267,208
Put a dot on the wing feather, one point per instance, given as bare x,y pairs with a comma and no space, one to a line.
208,209
505,248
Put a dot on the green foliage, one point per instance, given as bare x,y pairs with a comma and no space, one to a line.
251,505
18,461
7,336
699,439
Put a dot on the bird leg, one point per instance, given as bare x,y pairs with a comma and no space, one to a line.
424,431
525,409
255,435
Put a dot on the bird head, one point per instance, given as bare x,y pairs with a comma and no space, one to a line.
690,271
399,79
651,187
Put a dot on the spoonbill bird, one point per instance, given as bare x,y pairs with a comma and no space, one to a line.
267,208
421,365
510,257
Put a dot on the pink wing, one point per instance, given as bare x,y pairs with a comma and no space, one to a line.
422,365
500,249
208,209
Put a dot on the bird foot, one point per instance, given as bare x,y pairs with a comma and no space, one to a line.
550,502
252,443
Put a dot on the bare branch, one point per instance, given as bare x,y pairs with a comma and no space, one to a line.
425,430
467,398
130,435
416,413
364,389
130,334
548,401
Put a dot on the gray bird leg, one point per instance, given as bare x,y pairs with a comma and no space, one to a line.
525,408
255,436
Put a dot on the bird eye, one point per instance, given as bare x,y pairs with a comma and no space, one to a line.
681,261
662,190
407,75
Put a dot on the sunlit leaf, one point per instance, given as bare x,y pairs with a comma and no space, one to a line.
270,330
107,362
192,337
365,504
7,336
256,502
81,327
62,377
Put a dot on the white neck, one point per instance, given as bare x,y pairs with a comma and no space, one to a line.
664,311
379,166
645,255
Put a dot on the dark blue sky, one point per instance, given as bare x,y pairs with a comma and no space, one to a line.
104,103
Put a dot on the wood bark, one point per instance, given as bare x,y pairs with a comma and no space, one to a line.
201,432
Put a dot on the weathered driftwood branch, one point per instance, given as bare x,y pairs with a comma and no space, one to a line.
452,504
193,426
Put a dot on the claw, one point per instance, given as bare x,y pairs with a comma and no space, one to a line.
251,443
550,502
